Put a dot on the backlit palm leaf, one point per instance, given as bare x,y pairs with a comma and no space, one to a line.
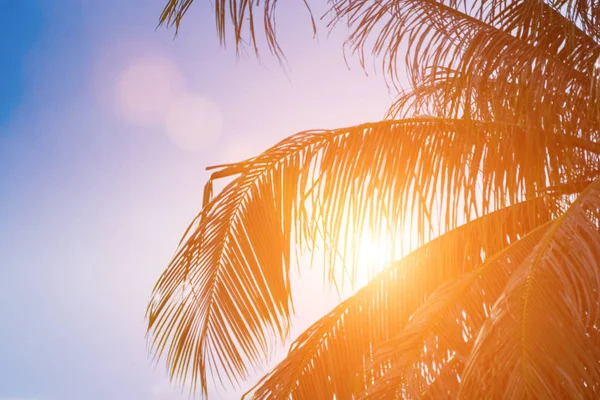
228,284
514,90
452,319
544,328
513,64
242,16
443,328
325,360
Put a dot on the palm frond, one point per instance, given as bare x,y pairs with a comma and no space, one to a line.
325,360
448,324
544,327
561,123
444,326
522,62
584,14
515,90
526,62
242,17
227,290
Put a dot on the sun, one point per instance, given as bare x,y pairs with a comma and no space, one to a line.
375,252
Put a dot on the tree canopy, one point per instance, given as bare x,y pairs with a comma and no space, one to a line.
490,158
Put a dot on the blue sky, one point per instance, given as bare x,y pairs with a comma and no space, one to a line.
98,180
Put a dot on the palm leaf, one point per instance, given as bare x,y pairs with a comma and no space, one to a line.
242,18
229,282
437,99
455,313
544,327
227,289
517,87
325,360
443,328
522,62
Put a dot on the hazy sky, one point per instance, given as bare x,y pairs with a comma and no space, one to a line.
106,125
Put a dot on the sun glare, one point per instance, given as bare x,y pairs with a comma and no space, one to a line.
374,254
361,247
374,250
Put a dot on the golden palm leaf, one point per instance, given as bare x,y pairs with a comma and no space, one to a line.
325,360
228,285
544,327
509,98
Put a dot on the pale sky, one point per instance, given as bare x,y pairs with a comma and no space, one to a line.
106,125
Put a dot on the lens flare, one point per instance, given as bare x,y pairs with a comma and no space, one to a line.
146,88
193,123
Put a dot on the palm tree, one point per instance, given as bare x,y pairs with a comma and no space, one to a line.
491,160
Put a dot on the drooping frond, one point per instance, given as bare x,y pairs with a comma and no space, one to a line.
228,284
448,324
444,327
584,14
486,39
326,359
543,338
241,14
520,61
545,121
514,90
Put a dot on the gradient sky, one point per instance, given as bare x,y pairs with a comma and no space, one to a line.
106,125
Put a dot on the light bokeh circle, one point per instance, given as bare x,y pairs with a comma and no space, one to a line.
146,88
194,122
